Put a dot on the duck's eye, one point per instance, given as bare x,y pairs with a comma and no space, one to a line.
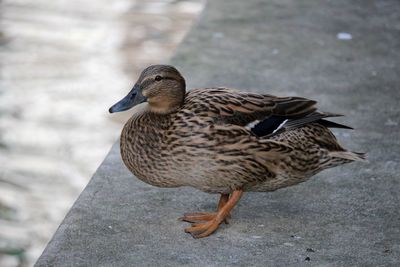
158,78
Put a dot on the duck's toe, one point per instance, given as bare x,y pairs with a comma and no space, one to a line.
193,217
199,230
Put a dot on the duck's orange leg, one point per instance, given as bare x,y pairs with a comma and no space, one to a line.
193,217
199,230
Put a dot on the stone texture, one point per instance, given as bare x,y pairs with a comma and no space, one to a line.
347,216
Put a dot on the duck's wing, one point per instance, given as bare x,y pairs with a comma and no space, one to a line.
230,146
275,125
241,108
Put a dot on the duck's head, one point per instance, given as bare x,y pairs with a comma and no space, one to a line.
161,86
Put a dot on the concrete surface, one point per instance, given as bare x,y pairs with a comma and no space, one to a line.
347,216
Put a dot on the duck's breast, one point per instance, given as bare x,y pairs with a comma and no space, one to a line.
143,150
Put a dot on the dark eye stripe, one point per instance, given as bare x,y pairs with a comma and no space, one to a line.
149,81
169,78
146,83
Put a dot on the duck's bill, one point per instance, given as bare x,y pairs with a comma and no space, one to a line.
133,98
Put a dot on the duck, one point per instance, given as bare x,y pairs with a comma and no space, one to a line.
223,141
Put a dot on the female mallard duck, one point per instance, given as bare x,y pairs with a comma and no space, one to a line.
219,140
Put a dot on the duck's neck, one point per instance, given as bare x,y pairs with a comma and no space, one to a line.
144,117
145,129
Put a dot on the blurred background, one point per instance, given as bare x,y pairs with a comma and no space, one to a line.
63,64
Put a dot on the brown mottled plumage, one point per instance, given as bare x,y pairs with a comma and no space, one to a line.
219,140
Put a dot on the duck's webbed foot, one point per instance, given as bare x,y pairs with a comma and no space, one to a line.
204,223
195,217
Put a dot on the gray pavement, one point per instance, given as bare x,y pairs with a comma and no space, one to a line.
347,216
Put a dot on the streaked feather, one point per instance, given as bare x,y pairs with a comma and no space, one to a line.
219,140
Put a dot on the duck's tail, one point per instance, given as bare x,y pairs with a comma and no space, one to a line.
347,156
337,158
